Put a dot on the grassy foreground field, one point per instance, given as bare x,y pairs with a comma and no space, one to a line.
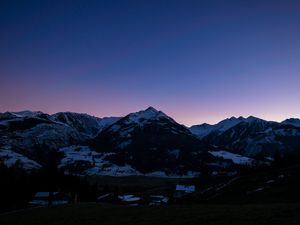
92,214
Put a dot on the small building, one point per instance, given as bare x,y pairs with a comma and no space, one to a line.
156,200
130,200
183,190
48,198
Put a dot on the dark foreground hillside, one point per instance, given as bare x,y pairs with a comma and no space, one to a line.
92,214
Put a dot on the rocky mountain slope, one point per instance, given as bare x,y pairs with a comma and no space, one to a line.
150,140
147,142
36,134
253,136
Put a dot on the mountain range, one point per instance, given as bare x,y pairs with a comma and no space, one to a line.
148,143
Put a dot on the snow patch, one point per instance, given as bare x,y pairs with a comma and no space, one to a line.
235,158
186,188
95,162
129,198
10,158
224,125
142,117
190,174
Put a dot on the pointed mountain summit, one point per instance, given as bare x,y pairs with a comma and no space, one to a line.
151,141
150,108
144,121
144,116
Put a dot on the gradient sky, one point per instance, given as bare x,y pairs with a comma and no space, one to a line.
198,61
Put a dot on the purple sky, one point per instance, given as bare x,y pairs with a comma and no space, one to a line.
198,61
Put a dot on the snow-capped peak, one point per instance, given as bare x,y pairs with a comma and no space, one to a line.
144,115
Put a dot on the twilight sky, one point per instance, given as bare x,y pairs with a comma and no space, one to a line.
198,61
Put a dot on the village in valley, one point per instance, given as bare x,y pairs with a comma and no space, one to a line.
59,198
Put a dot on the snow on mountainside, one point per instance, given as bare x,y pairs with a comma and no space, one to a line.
235,158
202,130
123,129
147,142
106,122
37,133
228,123
22,114
81,160
27,113
292,121
34,133
258,137
205,129
151,141
21,120
189,174
81,122
149,114
11,158
143,117
84,123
